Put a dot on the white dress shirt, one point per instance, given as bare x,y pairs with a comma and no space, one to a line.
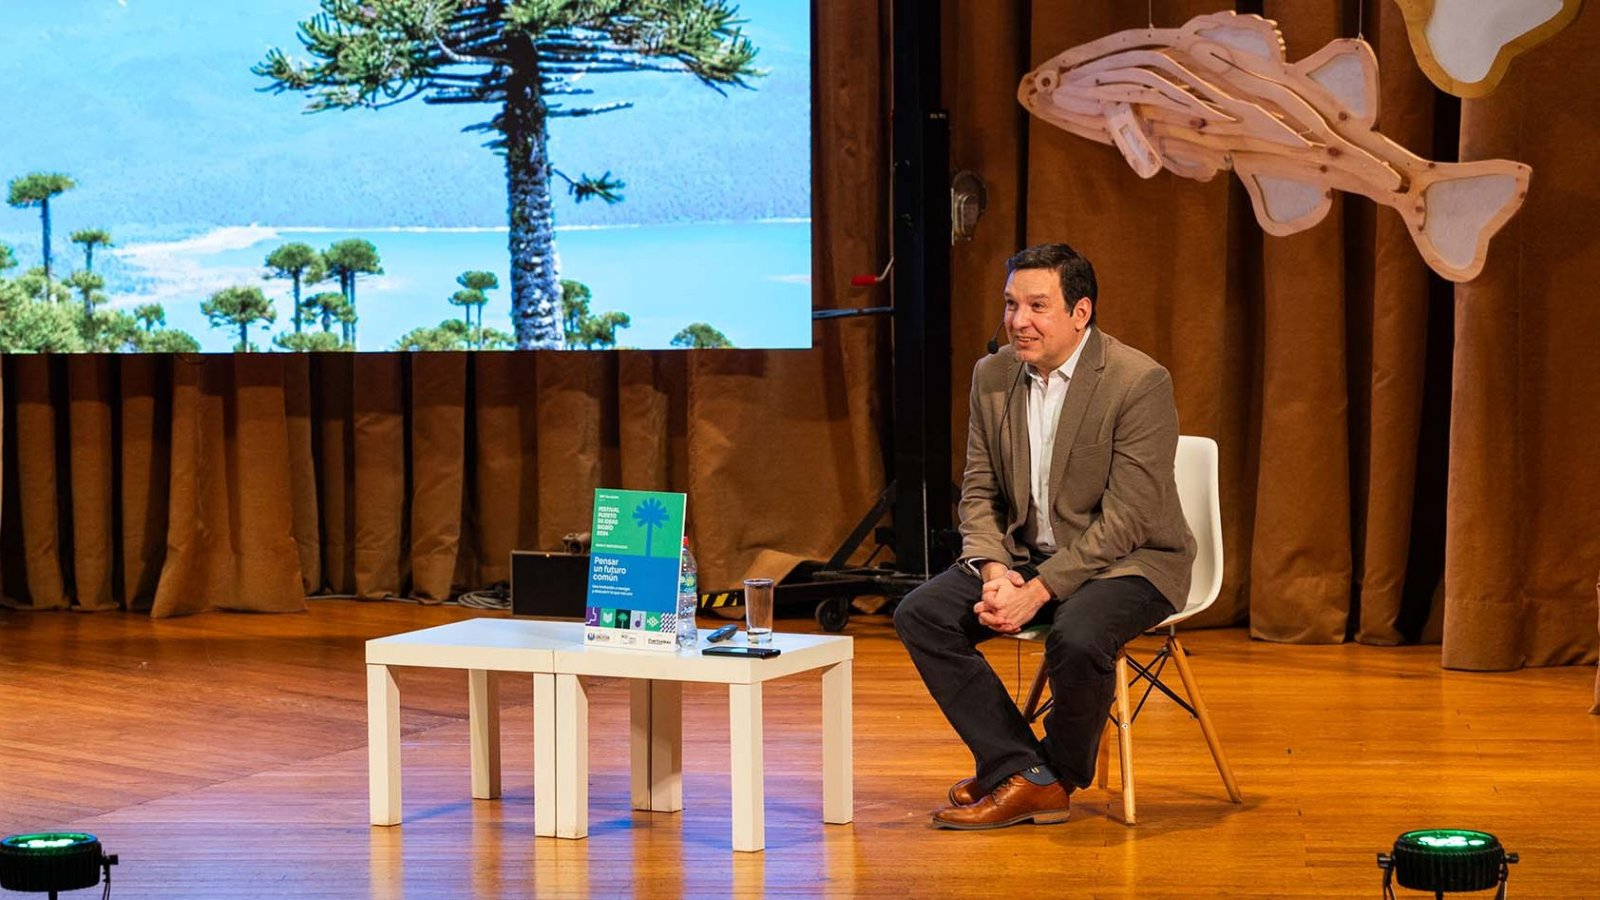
1046,395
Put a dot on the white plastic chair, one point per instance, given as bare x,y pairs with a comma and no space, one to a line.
1196,471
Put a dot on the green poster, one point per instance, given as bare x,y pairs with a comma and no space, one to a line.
635,544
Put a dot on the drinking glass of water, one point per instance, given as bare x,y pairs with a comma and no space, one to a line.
758,610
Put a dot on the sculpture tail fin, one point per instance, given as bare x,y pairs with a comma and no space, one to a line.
1462,208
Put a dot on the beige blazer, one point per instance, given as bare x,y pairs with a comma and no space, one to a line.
1113,499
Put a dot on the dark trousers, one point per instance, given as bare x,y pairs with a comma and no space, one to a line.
941,632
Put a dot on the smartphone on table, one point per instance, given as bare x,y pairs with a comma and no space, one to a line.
741,652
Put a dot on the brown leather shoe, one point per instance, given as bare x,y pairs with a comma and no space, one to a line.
961,793
1016,800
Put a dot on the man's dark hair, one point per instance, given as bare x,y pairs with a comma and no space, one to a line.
1077,274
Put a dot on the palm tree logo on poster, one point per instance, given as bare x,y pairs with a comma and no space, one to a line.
518,55
649,515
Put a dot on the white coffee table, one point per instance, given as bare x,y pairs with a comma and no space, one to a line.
484,647
657,730
557,657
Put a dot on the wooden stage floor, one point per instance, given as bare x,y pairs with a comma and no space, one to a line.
224,756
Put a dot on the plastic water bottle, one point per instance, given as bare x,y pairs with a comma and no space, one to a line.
688,599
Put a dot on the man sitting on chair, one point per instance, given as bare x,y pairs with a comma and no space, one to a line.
1069,518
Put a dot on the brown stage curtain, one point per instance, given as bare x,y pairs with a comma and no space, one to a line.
1523,537
1403,459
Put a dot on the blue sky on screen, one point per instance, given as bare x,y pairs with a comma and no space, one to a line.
151,107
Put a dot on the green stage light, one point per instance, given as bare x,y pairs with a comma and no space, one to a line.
53,861
1446,860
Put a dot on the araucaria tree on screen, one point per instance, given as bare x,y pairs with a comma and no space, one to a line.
523,57
36,189
239,307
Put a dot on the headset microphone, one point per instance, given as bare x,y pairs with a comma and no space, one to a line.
994,339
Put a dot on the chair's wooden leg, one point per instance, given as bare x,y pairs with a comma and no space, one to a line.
1193,690
1102,766
1125,740
1030,711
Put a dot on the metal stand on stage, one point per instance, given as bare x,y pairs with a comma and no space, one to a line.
919,492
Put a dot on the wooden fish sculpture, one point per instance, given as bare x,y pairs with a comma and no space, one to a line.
1219,94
